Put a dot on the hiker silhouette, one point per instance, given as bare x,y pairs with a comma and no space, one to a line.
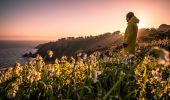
130,33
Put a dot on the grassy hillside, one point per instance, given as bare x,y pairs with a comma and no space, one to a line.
69,46
107,74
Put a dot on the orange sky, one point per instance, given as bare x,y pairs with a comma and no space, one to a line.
50,20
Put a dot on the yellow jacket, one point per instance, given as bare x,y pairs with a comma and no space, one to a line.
130,35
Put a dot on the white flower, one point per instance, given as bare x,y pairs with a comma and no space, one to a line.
95,77
163,55
96,74
85,56
50,53
11,93
116,97
154,73
122,73
155,97
38,76
79,54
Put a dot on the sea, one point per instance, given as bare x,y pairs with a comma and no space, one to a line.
12,51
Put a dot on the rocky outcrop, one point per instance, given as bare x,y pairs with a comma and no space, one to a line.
164,27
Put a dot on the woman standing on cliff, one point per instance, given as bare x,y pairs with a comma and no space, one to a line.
130,33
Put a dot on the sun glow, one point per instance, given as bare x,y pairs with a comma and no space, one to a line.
43,20
141,24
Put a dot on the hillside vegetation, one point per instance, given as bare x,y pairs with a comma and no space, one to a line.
101,75
70,46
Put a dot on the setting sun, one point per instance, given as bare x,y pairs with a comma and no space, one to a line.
141,24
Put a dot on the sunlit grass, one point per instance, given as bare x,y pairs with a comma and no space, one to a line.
91,77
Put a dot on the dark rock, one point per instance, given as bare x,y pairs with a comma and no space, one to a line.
30,54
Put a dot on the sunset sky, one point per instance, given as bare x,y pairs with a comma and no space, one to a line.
54,19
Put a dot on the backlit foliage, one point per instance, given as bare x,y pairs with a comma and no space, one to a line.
114,77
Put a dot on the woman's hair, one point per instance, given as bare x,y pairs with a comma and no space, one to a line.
129,15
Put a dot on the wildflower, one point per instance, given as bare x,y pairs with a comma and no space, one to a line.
131,55
97,54
56,61
63,58
155,97
72,60
153,91
40,65
84,56
10,69
79,54
116,97
38,76
96,74
122,73
31,78
163,55
33,60
11,93
105,58
50,53
13,84
90,76
38,57
138,81
154,72
16,88
51,72
17,64
58,72
95,77
118,61
17,69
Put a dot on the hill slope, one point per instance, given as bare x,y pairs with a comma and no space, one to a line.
69,46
